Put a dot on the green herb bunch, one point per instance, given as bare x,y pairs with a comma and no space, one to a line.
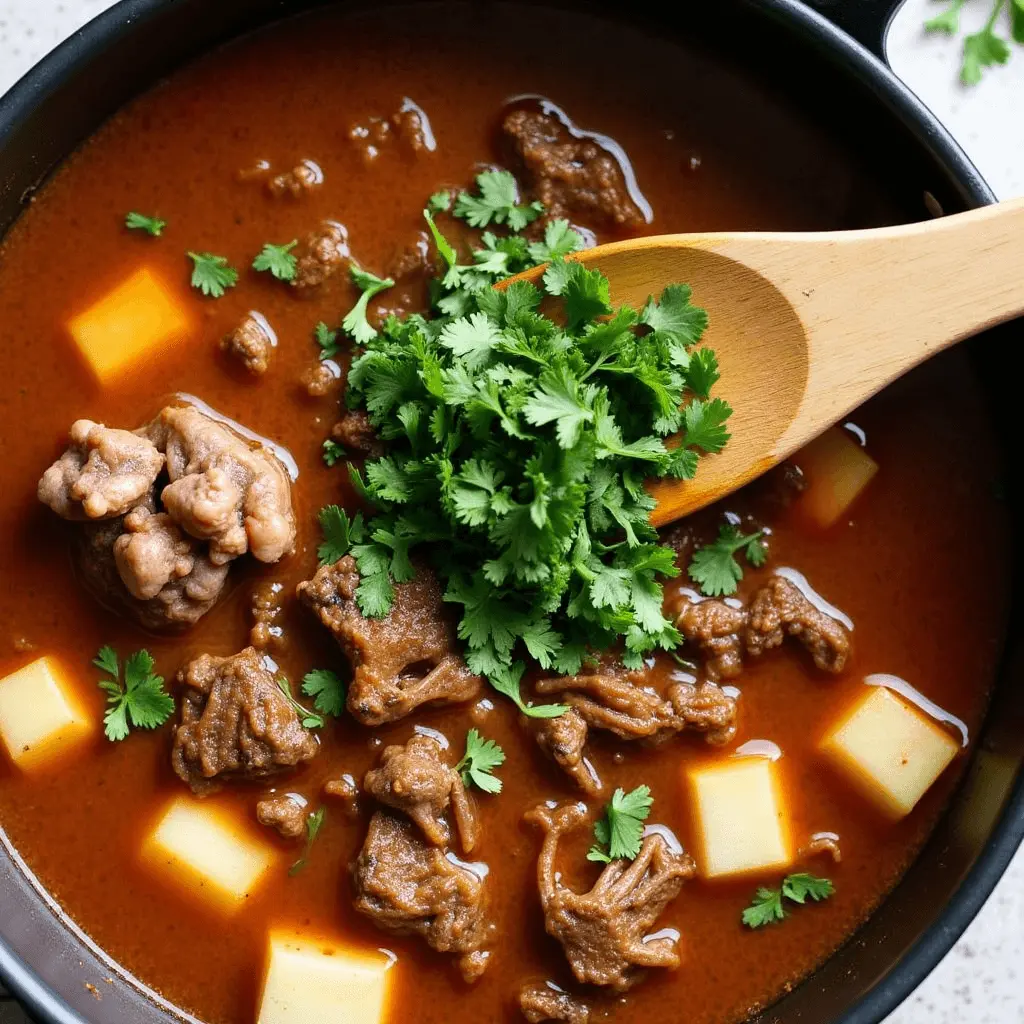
986,47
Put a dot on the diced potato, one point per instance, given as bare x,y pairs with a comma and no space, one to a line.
39,715
889,750
138,317
741,824
836,469
208,853
309,982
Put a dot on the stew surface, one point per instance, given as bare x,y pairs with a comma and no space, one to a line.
915,563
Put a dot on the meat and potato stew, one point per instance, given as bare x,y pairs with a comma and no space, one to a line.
343,676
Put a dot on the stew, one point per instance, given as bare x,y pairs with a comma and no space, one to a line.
304,757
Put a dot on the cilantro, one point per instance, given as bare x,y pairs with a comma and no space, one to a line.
314,822
620,832
309,719
559,241
278,259
355,322
141,701
714,567
327,340
339,533
140,222
984,48
767,905
497,202
439,202
212,275
332,452
478,763
327,691
506,680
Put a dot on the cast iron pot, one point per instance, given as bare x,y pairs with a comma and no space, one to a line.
837,73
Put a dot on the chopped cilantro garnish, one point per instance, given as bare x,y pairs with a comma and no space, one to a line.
506,679
327,340
478,763
559,240
211,274
278,259
620,832
314,822
141,701
714,567
340,533
332,452
439,202
984,48
355,322
768,907
327,691
309,719
140,222
497,202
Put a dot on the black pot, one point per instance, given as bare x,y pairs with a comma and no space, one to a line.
46,961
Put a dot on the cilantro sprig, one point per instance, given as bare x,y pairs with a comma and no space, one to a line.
620,832
327,340
278,260
309,719
139,701
327,691
768,905
714,567
211,274
314,823
497,201
140,222
355,322
478,763
986,47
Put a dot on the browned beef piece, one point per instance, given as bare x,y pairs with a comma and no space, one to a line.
321,255
416,780
302,178
321,378
235,722
143,549
570,175
286,816
542,1001
563,740
704,707
104,473
413,261
251,343
265,606
779,609
409,887
400,662
224,489
356,433
822,843
602,931
716,629
346,792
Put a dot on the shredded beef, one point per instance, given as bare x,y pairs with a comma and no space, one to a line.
563,739
400,662
302,178
540,1001
235,722
410,887
283,814
251,343
356,433
716,628
322,254
602,932
706,708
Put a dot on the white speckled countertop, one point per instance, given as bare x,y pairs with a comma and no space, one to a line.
982,979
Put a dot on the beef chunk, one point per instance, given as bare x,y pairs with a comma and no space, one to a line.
563,740
285,815
415,779
602,931
151,552
716,628
415,260
356,433
104,473
570,174
265,606
251,343
322,254
400,662
409,887
235,722
546,1001
224,489
320,379
822,843
779,609
302,178
705,707
346,792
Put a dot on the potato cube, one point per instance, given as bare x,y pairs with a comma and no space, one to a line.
741,823
140,316
208,853
836,470
310,982
889,750
40,717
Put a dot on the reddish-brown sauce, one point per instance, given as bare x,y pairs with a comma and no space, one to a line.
917,568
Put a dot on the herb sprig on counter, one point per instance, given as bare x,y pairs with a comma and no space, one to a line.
140,222
478,763
138,700
768,905
714,567
986,47
621,831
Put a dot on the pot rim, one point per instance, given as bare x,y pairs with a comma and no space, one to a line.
860,64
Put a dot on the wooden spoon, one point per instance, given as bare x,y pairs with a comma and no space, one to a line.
807,326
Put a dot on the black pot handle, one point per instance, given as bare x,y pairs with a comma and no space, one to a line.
866,20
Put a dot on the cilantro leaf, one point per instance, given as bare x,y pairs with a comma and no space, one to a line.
983,49
801,887
327,340
947,21
327,691
355,322
140,222
478,763
314,823
704,424
339,532
560,239
714,567
278,259
560,400
620,832
332,452
439,202
506,680
767,906
674,316
585,294
309,719
497,201
211,274
140,701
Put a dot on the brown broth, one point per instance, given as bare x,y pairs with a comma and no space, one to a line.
918,567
